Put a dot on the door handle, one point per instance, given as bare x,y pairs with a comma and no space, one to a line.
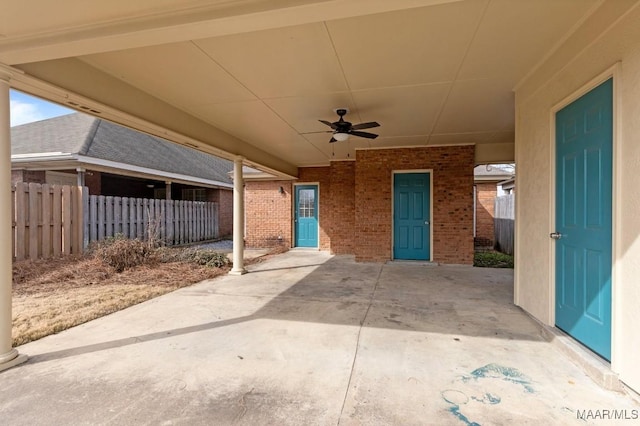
555,235
426,222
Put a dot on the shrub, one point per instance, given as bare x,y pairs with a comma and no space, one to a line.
121,253
493,260
208,258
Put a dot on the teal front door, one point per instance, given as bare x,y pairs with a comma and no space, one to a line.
584,135
306,216
411,216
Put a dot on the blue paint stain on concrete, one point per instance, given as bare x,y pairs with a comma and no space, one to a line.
489,371
496,371
455,410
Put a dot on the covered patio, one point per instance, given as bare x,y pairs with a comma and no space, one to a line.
310,338
452,83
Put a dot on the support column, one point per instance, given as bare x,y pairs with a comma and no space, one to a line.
167,190
80,174
238,219
8,356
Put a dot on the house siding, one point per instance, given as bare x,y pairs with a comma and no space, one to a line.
485,210
355,203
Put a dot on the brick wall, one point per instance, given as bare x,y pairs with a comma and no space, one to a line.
268,213
29,176
342,184
452,221
355,203
93,180
485,199
225,212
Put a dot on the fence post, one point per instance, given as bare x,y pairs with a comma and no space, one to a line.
33,220
85,218
66,219
21,213
57,220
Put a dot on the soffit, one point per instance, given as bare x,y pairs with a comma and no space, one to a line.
437,74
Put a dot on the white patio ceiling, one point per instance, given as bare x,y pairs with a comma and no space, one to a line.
263,72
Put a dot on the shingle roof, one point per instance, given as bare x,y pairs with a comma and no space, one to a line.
92,137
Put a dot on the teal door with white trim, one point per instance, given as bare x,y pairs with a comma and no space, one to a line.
306,216
583,236
412,216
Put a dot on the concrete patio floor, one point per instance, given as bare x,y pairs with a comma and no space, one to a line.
307,338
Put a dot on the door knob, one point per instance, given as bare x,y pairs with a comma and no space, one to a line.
555,235
426,222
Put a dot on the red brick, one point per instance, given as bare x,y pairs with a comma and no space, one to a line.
355,203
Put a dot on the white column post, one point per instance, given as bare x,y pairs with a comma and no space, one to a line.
8,356
167,190
80,173
238,218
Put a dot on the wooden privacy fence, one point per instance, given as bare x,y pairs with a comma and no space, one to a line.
47,220
170,222
504,221
50,220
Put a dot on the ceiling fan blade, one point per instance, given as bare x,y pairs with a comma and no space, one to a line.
364,134
333,126
333,140
368,125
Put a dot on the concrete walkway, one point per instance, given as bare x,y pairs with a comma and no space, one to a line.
310,339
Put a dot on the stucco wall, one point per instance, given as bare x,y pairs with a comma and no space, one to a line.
561,77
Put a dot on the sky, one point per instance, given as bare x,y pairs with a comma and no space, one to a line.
27,109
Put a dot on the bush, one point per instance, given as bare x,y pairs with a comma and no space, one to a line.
198,256
121,253
208,258
493,260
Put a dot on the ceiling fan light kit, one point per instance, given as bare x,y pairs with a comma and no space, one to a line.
343,129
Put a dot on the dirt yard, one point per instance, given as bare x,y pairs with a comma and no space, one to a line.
52,295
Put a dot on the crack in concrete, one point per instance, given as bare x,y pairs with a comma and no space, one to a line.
355,354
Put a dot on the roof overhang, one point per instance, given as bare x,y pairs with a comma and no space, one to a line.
65,161
251,79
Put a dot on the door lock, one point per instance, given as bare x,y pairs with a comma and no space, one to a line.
555,235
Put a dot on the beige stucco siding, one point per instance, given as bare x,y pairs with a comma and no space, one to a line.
535,100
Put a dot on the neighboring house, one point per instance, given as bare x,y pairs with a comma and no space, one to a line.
488,184
110,159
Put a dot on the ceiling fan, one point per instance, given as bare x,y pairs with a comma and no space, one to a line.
343,129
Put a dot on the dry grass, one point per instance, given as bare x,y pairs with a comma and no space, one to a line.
55,294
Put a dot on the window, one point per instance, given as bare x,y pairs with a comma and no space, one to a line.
306,203
196,194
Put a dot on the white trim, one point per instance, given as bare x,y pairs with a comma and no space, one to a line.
113,165
425,171
293,216
615,73
49,156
